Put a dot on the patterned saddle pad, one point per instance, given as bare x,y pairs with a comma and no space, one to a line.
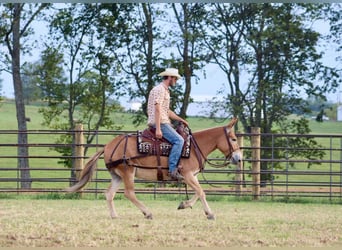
147,142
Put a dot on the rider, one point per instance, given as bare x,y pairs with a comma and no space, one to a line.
159,115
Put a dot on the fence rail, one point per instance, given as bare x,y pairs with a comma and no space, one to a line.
289,176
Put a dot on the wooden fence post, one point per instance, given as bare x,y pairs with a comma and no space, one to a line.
239,168
255,143
79,149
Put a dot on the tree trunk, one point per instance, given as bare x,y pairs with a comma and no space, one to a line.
184,26
23,162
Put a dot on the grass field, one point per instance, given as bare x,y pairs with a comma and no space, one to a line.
86,223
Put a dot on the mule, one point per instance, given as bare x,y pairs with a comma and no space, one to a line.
125,163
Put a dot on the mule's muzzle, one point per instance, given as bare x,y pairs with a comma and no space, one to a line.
236,157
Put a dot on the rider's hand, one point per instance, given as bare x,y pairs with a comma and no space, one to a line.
159,134
185,123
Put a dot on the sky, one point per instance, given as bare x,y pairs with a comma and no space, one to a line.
207,88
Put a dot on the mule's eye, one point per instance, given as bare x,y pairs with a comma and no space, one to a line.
234,139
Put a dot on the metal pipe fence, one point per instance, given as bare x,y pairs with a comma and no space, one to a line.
285,173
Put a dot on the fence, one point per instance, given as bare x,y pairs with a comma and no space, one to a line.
277,168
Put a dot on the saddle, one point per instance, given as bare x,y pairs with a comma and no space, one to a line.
147,142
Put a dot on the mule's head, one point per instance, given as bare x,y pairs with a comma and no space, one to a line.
228,144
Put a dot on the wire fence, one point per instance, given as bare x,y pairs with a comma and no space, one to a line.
285,171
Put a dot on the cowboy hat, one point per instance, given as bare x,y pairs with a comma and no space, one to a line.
170,72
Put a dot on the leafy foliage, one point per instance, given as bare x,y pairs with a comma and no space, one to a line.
97,52
310,148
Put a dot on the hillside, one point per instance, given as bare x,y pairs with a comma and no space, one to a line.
8,121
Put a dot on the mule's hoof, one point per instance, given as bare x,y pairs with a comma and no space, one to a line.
148,216
181,205
211,217
114,216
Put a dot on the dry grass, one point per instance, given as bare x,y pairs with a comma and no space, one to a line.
86,223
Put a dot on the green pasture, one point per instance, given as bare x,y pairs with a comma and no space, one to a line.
8,122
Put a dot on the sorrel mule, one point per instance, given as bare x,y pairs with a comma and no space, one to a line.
125,163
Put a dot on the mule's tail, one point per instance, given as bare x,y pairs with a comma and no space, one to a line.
87,173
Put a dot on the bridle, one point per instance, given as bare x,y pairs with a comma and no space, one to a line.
206,160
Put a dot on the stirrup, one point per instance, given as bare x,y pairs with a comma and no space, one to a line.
175,175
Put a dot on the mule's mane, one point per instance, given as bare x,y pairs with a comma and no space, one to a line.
208,130
230,126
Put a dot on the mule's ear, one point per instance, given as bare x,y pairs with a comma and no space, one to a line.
232,122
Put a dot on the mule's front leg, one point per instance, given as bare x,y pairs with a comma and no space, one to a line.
192,181
207,210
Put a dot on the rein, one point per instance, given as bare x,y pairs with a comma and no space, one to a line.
206,160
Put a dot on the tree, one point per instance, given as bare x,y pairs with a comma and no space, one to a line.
224,40
133,39
144,46
15,29
285,61
1,88
75,71
1,98
189,43
334,15
31,90
272,47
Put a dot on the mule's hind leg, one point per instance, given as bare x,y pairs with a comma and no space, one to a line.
110,193
128,180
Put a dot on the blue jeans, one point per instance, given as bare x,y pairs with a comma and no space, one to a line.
177,141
